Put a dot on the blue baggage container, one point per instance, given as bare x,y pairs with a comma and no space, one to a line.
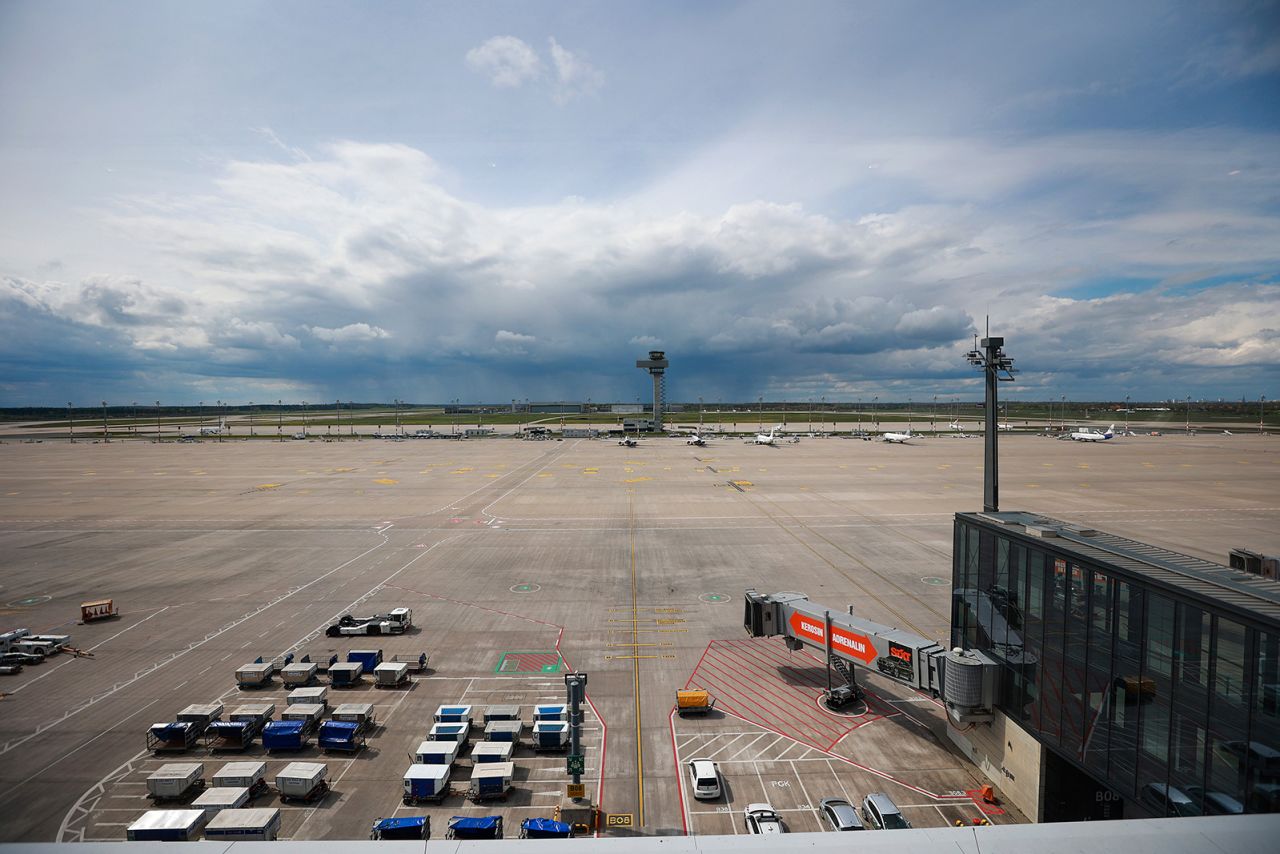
284,735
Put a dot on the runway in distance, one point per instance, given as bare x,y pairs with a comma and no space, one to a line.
1087,435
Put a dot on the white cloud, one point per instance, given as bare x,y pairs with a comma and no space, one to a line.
575,77
350,332
507,61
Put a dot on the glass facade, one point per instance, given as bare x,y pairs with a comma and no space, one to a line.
1163,698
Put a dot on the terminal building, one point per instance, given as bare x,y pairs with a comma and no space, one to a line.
1135,681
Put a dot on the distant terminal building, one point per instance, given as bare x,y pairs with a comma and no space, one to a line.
1137,681
556,408
627,408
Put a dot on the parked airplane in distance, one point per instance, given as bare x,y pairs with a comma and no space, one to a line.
629,442
1087,435
898,438
695,439
767,438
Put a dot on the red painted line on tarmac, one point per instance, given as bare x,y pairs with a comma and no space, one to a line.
746,661
884,707
689,681
763,688
786,709
675,757
769,652
744,701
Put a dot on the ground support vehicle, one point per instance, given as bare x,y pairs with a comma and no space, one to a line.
397,621
484,827
10,669
235,825
285,735
101,609
299,673
544,828
490,780
550,712
360,713
550,736
175,781
347,736
249,775
704,777
310,714
370,658
437,752
166,826
694,703
426,783
390,675
322,659
402,827
417,663
302,781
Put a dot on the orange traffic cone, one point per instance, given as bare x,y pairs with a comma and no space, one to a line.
988,795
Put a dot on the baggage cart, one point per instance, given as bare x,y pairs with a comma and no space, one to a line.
299,673
322,659
361,713
501,713
544,828
230,735
550,712
426,783
318,694
219,798
347,736
694,703
390,675
550,735
302,781
309,714
175,737
261,824
258,713
175,781
492,751
101,609
250,775
450,732
483,827
403,827
453,714
503,731
437,752
285,735
201,714
417,663
491,780
348,674
255,674
166,826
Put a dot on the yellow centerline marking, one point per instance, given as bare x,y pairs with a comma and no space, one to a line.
635,661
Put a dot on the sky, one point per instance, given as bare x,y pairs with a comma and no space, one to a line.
486,201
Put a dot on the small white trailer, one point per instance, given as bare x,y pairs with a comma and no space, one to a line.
437,752
390,674
317,694
175,780
426,783
255,674
491,780
248,825
501,713
299,673
503,730
310,714
453,713
302,781
492,751
220,798
242,775
450,732
166,826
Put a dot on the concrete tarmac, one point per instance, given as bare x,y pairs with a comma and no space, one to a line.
522,560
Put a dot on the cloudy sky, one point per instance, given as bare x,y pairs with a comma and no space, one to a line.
491,200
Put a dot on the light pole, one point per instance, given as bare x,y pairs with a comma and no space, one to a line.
158,437
1126,415
1188,425
71,424
105,438
700,418
822,425
280,420
910,421
351,422
222,419
875,412
933,415
135,418
304,419
1062,416
761,414
202,421
859,415
1262,403
251,419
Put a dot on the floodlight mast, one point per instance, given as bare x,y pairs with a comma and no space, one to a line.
997,367
656,365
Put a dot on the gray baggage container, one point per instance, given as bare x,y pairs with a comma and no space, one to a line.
390,674
299,673
437,752
491,780
485,752
256,674
318,694
220,798
302,781
501,713
175,780
503,730
241,775
309,713
249,825
258,713
201,713
166,826
360,713
346,674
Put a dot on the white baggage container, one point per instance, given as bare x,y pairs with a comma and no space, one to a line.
241,775
550,712
256,825
299,673
503,730
437,752
453,713
450,732
302,779
175,779
492,751
390,675
426,783
315,695
491,779
550,735
220,798
166,826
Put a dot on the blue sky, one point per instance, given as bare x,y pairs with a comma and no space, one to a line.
302,200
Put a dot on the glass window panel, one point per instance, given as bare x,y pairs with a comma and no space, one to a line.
1262,785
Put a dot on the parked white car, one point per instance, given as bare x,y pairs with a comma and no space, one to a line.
760,818
704,778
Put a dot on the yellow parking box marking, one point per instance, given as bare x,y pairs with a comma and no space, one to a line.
267,486
386,481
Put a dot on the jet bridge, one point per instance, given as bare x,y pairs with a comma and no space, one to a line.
966,680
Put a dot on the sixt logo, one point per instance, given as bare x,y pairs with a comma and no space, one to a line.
900,653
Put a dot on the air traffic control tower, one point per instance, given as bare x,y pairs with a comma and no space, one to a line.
656,365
